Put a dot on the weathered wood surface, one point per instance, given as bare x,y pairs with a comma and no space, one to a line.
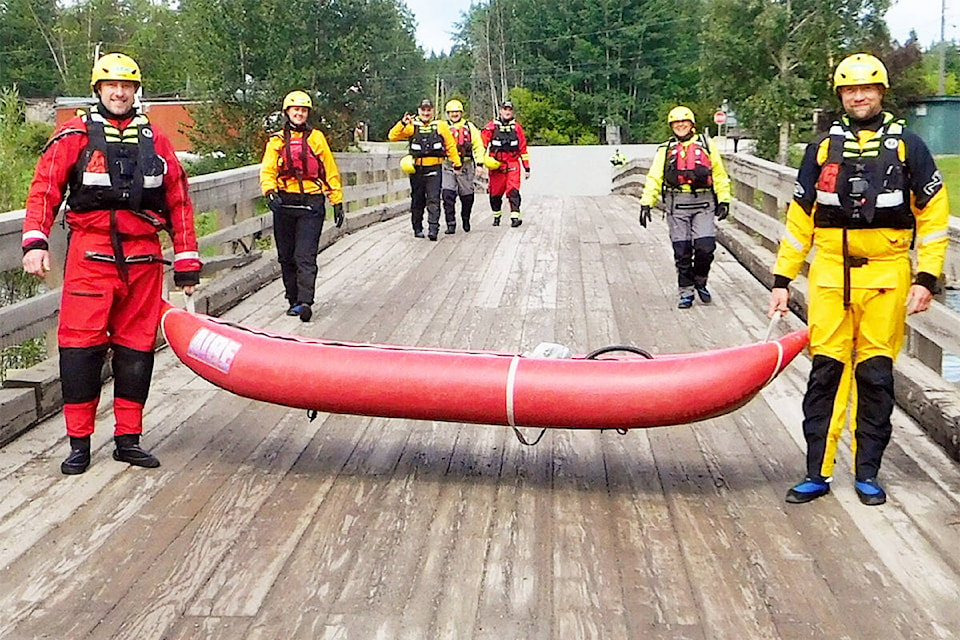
261,524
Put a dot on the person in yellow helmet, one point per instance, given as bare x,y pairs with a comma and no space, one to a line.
867,190
688,172
454,184
430,143
298,173
123,185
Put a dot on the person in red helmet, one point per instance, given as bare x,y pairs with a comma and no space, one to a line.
125,185
506,146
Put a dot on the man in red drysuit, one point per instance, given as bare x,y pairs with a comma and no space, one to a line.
125,186
506,151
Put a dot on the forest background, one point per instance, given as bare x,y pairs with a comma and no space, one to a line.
571,67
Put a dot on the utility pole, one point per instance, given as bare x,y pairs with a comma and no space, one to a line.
942,87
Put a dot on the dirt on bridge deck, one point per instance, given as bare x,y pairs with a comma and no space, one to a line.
261,524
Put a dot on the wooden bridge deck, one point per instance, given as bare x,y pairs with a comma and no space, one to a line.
261,524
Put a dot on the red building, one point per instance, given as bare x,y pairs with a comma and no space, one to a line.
170,116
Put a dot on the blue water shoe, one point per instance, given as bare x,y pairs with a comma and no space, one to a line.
870,492
807,490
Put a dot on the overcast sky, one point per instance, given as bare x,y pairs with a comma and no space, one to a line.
435,19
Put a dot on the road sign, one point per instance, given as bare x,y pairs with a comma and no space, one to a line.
720,117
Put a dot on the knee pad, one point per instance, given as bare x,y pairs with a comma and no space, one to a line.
705,246
81,371
132,371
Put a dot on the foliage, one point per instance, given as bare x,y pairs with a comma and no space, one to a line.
593,62
357,58
20,144
950,168
782,54
15,286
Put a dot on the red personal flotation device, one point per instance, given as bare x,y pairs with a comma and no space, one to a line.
298,160
688,165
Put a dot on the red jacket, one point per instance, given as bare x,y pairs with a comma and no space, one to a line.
52,177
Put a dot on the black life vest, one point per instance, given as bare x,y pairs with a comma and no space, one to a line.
297,159
864,188
505,139
118,169
427,141
464,138
688,165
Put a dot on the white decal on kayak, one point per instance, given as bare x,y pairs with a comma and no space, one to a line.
213,349
511,381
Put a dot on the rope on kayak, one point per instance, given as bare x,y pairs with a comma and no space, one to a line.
618,347
526,442
773,322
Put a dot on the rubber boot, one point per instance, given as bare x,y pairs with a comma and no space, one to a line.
79,458
128,450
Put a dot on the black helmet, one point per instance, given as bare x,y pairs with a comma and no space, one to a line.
506,104
426,104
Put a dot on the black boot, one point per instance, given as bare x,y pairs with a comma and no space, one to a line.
128,450
79,458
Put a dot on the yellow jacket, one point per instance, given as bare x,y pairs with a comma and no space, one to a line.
653,186
272,163
882,247
401,131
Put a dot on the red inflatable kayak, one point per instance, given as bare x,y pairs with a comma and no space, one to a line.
475,386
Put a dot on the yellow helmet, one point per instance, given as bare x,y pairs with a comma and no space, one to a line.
860,69
454,105
491,163
407,164
114,66
297,99
680,113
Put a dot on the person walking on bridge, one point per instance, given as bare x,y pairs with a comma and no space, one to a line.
297,172
506,146
688,172
125,185
454,184
867,191
430,143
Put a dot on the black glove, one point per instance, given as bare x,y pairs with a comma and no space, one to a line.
274,203
723,210
644,216
526,172
338,214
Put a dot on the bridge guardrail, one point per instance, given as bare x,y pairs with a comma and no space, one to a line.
762,191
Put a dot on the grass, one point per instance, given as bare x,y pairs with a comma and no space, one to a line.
950,168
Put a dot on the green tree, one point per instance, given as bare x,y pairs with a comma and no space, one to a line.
26,49
614,61
782,54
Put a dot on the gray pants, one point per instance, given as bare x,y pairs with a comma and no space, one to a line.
690,218
461,185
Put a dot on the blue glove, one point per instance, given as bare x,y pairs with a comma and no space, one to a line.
338,214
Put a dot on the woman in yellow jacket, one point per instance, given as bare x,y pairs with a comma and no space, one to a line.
296,174
866,192
688,171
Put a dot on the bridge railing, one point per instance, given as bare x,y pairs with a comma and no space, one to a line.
374,189
752,233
